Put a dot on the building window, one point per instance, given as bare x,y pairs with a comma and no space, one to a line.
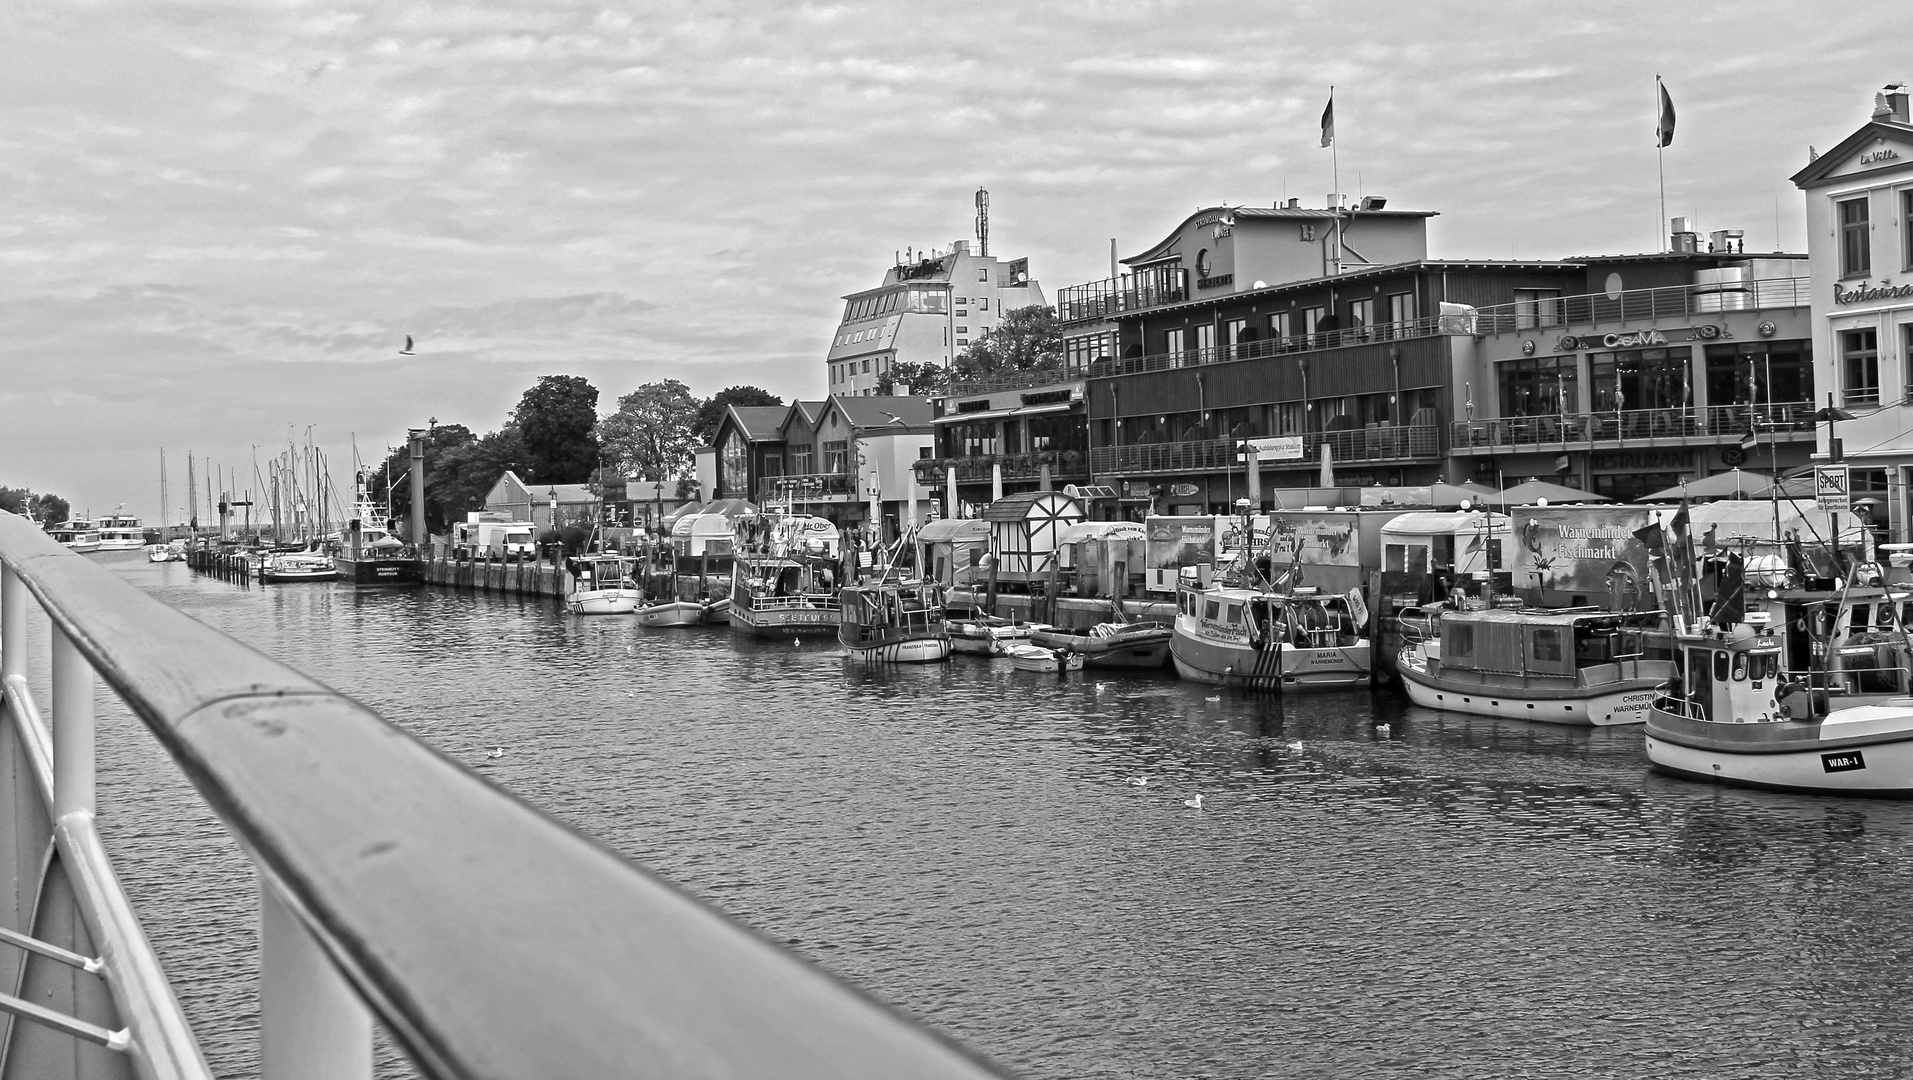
963,329
1642,379
1206,341
1906,360
1860,366
866,367
1401,312
1537,307
983,273
1760,373
963,341
1279,328
1906,228
1361,316
1538,386
983,303
1172,343
1232,332
1311,318
1856,254
837,456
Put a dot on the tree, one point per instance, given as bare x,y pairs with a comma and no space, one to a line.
1027,339
44,509
440,442
711,413
557,420
921,378
650,436
466,473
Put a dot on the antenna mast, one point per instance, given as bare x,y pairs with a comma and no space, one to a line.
982,223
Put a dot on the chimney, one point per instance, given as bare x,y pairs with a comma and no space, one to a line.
1684,240
1295,203
1727,241
1891,104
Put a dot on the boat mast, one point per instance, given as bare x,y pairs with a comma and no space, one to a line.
162,495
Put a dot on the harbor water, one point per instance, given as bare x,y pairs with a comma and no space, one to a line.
1367,889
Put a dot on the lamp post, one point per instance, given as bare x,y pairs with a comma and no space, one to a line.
1830,416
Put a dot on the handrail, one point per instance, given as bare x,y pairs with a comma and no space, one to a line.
1775,420
1348,446
1344,337
489,939
1643,305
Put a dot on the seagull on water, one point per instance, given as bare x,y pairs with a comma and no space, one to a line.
408,350
1139,781
495,752
1194,802
1296,746
1217,697
1381,729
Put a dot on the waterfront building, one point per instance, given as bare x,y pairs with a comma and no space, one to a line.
928,309
1859,210
1635,373
749,444
1008,433
521,500
846,459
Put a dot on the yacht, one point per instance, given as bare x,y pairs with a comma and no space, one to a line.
894,621
783,575
78,534
121,531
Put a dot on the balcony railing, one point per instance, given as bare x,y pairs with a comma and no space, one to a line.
1065,466
807,485
1250,350
1377,443
1642,305
1112,296
999,381
1785,420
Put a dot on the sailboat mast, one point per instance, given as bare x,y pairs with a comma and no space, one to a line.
162,494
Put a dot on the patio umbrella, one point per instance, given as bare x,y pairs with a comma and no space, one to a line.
1793,487
1738,484
1328,468
1533,491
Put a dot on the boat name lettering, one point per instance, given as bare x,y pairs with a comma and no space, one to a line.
1636,700
1845,761
1226,631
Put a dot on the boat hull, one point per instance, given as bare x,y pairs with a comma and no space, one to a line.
1288,670
1864,750
672,613
1038,658
1147,651
603,602
784,622
376,573
1621,703
916,650
289,577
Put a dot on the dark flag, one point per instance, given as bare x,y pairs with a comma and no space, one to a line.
1730,602
1328,121
1664,124
1650,537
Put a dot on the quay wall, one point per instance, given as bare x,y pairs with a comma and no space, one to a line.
520,577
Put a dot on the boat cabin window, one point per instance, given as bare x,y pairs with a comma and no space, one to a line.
1740,667
1211,610
1593,646
1720,667
1461,641
1406,558
1232,614
1546,643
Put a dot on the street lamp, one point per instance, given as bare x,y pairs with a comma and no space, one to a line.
1830,416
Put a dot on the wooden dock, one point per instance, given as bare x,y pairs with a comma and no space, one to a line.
520,577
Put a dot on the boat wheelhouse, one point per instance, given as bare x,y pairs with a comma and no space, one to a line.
602,583
1581,666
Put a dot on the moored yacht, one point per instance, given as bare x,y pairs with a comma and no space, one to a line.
602,584
1582,666
77,534
784,575
121,531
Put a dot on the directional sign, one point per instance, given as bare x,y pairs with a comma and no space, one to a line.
1832,487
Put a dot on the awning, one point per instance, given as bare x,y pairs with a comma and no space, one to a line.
953,418
1032,410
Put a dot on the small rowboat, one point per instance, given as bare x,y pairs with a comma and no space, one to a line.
1036,658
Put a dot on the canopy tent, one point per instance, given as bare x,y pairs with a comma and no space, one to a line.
1738,484
730,508
1532,492
1793,487
1102,530
948,549
667,521
954,530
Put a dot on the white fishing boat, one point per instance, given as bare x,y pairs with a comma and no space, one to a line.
602,584
1027,657
289,567
1734,718
894,622
77,534
160,553
1288,640
121,531
672,613
784,575
1580,666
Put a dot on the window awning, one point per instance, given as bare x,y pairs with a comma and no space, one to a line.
1000,414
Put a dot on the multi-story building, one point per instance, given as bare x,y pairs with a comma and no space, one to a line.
1007,433
1859,203
1635,373
927,310
847,458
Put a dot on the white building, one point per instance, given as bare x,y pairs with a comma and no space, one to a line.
926,311
1860,261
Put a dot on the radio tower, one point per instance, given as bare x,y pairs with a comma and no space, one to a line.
982,223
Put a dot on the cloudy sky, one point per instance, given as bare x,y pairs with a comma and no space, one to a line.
222,218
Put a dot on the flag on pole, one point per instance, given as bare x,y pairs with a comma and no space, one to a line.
1328,121
1664,124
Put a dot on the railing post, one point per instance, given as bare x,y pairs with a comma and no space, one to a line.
311,1024
13,623
72,728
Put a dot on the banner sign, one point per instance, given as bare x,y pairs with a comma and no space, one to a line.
1175,542
1322,541
1832,487
1279,448
1585,551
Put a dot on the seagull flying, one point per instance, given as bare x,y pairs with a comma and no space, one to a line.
408,351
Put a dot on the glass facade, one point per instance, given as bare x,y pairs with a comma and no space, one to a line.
1641,379
1760,373
1539,386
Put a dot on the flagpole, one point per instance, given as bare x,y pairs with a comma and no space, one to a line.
1660,161
1335,160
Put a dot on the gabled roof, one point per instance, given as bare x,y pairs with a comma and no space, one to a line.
908,414
1821,169
810,410
759,422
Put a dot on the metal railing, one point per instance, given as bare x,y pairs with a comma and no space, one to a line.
805,486
1642,305
1130,292
488,939
1375,444
1017,379
1251,350
1784,420
1064,466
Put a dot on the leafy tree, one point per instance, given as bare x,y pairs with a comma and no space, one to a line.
557,421
440,442
1027,339
466,473
711,413
921,378
45,509
650,436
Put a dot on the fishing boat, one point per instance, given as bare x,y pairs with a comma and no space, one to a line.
289,567
371,557
1734,718
121,531
77,534
894,621
1582,666
1289,640
1026,657
1143,644
602,584
784,575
